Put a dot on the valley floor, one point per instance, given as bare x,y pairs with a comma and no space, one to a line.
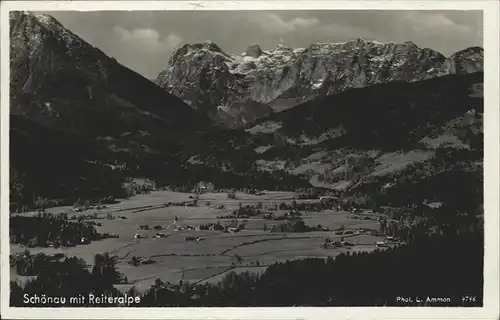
210,259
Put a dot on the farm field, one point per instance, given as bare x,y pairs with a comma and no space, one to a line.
251,249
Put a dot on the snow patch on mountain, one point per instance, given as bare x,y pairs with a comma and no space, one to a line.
305,140
270,166
262,149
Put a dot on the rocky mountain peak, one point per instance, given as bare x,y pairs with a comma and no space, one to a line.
199,54
473,53
60,80
45,19
34,17
36,36
254,51
410,44
282,47
206,46
471,50
466,61
40,28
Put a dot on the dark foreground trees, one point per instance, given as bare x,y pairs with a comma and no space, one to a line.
438,266
44,229
66,278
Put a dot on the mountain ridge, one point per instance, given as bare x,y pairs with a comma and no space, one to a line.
213,81
51,63
80,113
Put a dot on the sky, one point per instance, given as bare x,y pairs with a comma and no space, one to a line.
144,40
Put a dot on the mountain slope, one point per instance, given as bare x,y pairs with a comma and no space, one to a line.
219,84
60,79
374,116
78,115
380,138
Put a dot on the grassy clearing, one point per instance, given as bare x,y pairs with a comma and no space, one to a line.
397,161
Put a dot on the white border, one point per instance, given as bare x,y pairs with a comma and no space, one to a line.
491,164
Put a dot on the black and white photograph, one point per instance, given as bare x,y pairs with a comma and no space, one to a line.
193,155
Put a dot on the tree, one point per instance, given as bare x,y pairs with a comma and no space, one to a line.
16,294
41,203
299,226
158,283
238,258
16,186
382,227
132,292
